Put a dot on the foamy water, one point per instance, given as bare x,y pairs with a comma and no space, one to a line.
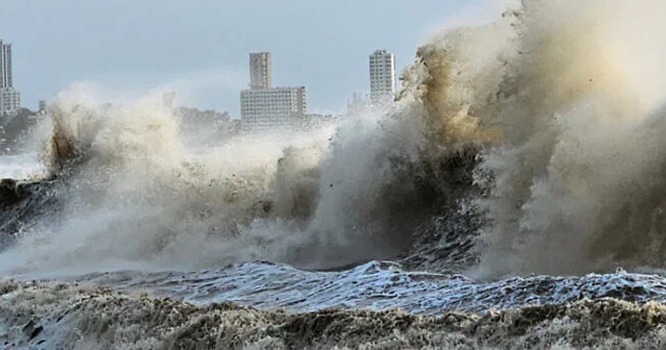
377,286
21,167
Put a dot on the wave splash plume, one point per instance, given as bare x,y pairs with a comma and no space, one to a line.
545,125
565,100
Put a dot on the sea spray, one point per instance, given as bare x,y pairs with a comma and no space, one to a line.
544,126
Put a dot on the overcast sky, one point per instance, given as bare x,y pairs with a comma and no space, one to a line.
201,47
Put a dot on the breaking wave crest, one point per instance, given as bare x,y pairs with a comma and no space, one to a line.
136,196
566,100
546,127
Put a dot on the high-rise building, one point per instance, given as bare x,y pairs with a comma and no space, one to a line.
42,107
260,70
267,108
358,104
5,65
274,108
10,99
382,76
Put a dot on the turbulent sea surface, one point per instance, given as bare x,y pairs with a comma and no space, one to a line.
514,196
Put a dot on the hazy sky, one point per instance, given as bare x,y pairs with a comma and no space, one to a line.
200,48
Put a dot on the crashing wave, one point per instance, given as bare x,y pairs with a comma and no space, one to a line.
531,144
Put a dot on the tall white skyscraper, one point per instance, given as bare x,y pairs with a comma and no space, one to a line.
382,76
10,99
261,75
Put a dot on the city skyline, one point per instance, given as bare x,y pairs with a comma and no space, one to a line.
158,44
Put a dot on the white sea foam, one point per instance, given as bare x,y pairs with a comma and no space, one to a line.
22,167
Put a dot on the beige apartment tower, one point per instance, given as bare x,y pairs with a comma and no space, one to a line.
273,108
261,75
